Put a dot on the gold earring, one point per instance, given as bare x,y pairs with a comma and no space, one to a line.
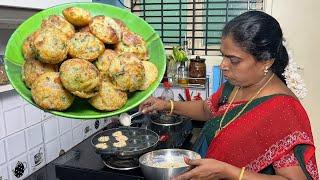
266,70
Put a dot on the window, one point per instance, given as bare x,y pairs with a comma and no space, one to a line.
199,21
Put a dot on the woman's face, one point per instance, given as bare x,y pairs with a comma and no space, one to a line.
238,66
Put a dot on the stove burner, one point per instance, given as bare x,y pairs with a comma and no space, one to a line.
121,164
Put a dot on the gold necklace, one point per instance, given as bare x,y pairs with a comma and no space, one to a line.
247,104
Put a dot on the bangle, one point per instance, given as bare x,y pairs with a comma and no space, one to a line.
242,173
171,107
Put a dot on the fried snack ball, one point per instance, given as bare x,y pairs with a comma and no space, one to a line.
133,43
77,16
121,138
28,46
151,74
85,29
48,92
101,146
60,23
103,139
106,29
80,77
119,144
86,46
122,25
104,61
108,98
50,46
32,69
117,133
127,72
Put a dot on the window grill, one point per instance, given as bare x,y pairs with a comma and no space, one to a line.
199,21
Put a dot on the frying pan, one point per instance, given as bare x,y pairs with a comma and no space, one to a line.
139,142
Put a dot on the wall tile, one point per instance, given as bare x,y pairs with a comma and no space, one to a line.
2,126
13,165
4,173
34,136
50,129
52,150
15,145
10,100
36,158
46,115
14,120
32,114
76,122
2,152
77,135
66,141
88,128
65,124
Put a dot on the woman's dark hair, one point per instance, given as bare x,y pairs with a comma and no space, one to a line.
260,35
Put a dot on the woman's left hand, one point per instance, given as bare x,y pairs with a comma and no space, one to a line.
203,169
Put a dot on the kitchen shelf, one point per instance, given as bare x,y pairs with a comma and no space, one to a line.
7,87
204,87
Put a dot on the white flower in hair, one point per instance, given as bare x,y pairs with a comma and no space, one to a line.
293,79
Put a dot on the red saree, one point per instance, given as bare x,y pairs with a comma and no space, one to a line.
270,129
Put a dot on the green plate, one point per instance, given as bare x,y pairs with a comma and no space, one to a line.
81,109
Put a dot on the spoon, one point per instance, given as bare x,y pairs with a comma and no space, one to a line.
125,118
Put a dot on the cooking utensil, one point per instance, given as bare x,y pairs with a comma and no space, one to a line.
181,97
81,109
126,120
187,93
139,141
165,163
172,129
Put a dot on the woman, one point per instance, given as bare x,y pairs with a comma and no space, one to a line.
256,127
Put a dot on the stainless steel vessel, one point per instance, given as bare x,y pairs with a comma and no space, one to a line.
165,163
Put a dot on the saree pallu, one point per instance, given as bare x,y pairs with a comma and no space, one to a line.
268,129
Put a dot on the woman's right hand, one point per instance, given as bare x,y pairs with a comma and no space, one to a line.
153,104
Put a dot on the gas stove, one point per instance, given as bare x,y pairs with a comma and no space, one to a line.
83,163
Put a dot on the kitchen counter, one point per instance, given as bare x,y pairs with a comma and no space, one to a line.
81,157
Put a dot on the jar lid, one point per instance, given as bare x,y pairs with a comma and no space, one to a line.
198,59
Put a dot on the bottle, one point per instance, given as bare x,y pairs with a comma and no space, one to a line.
183,68
167,93
182,74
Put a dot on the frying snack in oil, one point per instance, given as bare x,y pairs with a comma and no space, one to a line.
101,146
103,139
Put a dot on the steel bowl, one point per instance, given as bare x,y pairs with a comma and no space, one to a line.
165,163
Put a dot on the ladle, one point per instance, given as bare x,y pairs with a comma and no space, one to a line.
125,118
